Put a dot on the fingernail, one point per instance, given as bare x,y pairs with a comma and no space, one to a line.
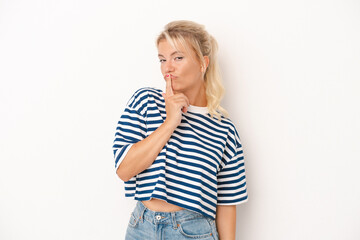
167,75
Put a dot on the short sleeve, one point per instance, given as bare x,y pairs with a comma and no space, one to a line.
131,127
231,176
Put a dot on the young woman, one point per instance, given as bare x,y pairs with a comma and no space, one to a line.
178,153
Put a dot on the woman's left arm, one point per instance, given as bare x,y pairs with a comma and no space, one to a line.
226,221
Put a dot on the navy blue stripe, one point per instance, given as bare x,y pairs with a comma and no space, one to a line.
233,201
190,193
232,188
120,153
187,170
230,182
193,143
190,157
235,174
150,177
185,184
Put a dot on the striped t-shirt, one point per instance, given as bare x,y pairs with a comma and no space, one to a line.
200,166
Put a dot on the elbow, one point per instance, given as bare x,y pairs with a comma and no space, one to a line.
122,174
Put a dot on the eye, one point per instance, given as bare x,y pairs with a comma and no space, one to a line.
161,60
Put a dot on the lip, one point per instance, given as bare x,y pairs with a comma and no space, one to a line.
172,76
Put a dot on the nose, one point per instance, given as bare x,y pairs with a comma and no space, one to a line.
169,67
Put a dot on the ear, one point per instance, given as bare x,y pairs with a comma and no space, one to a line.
206,60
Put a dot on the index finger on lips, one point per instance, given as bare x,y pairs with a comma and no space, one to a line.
169,90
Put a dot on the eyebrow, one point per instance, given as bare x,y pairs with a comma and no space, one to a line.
160,55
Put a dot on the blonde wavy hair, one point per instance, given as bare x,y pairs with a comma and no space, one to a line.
193,35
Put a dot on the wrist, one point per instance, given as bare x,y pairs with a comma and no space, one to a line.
168,126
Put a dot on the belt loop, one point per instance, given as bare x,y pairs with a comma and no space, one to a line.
173,217
142,212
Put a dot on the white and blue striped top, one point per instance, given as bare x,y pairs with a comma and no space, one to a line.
201,165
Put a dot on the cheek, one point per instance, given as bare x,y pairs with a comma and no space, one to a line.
190,71
185,70
162,70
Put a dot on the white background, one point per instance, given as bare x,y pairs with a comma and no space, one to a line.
291,73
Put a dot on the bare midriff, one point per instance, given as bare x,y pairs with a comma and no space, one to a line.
158,205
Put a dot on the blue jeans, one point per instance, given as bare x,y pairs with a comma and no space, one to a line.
145,224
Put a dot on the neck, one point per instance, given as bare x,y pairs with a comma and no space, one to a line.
197,96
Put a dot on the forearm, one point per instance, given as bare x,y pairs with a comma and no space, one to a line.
143,153
226,221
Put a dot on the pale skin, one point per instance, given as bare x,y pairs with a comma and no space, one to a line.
184,86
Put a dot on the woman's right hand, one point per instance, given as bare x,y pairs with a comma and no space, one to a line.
174,104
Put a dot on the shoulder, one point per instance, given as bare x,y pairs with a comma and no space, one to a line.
146,92
140,97
233,134
227,123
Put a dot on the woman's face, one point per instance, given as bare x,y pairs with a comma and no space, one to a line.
184,69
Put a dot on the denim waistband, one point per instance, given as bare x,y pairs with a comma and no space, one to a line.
141,212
